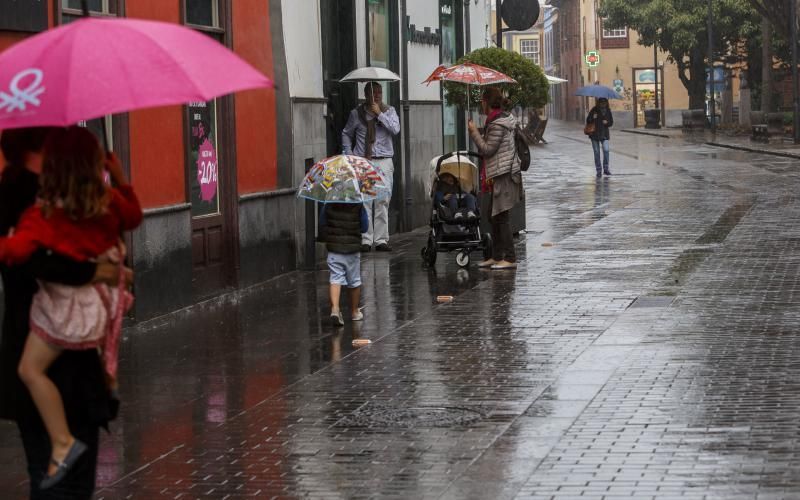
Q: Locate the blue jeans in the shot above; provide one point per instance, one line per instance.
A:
(606, 154)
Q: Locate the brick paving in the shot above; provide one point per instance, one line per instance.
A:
(650, 352)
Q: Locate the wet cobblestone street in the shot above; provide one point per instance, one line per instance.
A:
(652, 351)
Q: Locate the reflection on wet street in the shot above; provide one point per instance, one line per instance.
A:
(646, 347)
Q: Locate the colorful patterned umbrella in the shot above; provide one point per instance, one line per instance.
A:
(470, 74)
(344, 179)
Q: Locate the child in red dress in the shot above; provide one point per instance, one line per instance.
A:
(79, 216)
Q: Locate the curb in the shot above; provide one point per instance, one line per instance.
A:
(795, 156)
(641, 132)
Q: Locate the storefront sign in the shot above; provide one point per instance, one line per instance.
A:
(23, 15)
(424, 36)
(203, 158)
(593, 58)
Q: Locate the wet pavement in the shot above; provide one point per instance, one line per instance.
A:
(646, 347)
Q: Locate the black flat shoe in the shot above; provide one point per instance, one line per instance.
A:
(366, 248)
(383, 247)
(62, 468)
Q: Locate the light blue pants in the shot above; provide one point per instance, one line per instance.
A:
(606, 154)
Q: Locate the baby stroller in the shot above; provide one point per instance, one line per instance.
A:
(456, 228)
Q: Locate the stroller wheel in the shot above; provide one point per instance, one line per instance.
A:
(462, 258)
(486, 243)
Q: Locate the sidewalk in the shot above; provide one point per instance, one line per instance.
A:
(645, 348)
(778, 147)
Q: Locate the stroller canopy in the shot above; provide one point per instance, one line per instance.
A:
(460, 167)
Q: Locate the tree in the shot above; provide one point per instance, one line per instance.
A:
(776, 11)
(680, 27)
(532, 91)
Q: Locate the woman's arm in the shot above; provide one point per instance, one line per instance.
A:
(494, 138)
(127, 207)
(610, 119)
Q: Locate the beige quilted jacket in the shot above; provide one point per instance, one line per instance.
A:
(497, 146)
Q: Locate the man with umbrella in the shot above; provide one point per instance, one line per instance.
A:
(368, 133)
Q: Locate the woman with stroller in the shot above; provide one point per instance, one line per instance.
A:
(502, 171)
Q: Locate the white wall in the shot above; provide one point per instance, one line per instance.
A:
(423, 58)
(302, 39)
(480, 16)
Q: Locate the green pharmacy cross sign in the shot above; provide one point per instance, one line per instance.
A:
(593, 58)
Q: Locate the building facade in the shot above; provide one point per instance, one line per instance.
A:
(592, 53)
(207, 234)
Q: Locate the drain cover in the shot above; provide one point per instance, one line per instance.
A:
(407, 418)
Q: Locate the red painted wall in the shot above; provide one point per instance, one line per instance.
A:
(256, 140)
(156, 135)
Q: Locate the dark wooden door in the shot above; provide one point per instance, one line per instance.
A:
(211, 178)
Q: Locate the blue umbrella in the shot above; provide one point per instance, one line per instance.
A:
(597, 91)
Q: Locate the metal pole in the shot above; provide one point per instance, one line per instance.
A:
(499, 23)
(795, 96)
(712, 105)
(85, 7)
(655, 65)
(467, 26)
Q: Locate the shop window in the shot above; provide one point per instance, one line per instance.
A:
(23, 16)
(203, 13)
(203, 165)
(71, 9)
(529, 48)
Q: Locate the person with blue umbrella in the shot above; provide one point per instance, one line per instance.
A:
(598, 122)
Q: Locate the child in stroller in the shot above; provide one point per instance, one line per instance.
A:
(448, 193)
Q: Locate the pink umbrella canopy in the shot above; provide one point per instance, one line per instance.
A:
(470, 74)
(95, 67)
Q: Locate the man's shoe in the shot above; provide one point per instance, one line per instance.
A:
(366, 248)
(471, 215)
(337, 319)
(458, 215)
(599, 174)
(383, 247)
(607, 172)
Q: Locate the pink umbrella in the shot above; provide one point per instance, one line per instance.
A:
(96, 67)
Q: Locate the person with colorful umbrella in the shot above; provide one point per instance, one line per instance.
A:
(345, 184)
(368, 133)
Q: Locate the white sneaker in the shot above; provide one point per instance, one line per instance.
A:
(471, 215)
(458, 215)
(337, 319)
(358, 316)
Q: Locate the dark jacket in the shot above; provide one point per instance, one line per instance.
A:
(77, 374)
(341, 225)
(597, 115)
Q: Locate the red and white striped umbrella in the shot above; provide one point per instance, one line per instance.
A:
(470, 74)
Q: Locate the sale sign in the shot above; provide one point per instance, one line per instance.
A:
(207, 170)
